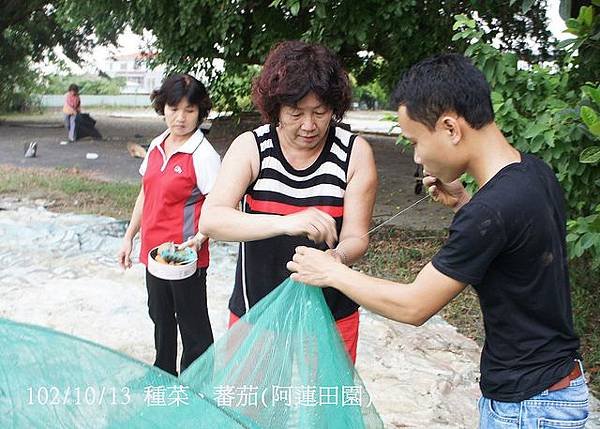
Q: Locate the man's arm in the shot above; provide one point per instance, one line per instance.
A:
(359, 200)
(412, 303)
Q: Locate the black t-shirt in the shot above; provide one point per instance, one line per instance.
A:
(508, 242)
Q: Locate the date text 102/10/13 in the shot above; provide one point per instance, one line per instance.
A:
(90, 395)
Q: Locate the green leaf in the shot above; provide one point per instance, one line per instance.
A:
(549, 137)
(589, 116)
(590, 155)
(595, 129)
(321, 11)
(469, 51)
(578, 250)
(497, 97)
(578, 43)
(389, 117)
(564, 43)
(295, 8)
(511, 61)
(572, 237)
(534, 130)
(586, 15)
(591, 92)
(590, 239)
(361, 35)
(537, 143)
(573, 25)
(489, 69)
(526, 5)
(564, 9)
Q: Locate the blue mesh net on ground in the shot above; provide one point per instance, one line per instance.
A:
(283, 365)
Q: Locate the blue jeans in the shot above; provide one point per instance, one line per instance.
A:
(70, 126)
(565, 408)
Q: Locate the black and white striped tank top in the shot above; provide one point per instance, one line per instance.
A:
(281, 189)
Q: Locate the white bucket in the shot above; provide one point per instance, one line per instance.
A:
(167, 271)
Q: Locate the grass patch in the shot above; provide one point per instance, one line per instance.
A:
(69, 190)
(399, 255)
(585, 295)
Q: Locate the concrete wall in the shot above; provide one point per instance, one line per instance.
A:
(100, 100)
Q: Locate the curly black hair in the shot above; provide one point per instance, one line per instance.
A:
(292, 70)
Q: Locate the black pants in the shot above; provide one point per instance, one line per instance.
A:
(183, 302)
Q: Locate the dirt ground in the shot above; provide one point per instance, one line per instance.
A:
(395, 167)
(394, 163)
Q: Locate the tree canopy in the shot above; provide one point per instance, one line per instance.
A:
(28, 33)
(376, 39)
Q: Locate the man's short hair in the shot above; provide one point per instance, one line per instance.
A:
(442, 84)
(292, 70)
(177, 87)
(73, 87)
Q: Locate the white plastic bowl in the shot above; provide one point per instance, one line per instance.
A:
(170, 272)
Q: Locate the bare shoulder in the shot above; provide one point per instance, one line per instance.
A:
(361, 158)
(243, 151)
(362, 146)
(243, 142)
(243, 147)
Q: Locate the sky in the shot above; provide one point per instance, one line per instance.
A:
(556, 23)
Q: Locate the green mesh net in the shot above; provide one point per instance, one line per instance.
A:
(283, 365)
(53, 380)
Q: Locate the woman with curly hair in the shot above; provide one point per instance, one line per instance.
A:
(178, 172)
(301, 178)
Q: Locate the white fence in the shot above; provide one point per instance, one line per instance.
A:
(142, 100)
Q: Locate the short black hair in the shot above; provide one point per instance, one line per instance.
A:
(73, 87)
(445, 83)
(177, 87)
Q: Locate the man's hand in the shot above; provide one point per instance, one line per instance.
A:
(313, 223)
(453, 195)
(338, 255)
(314, 267)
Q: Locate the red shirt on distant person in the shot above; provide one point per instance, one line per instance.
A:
(72, 104)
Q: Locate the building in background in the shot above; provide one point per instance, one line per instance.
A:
(140, 79)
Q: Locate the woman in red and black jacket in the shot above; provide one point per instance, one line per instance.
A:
(178, 172)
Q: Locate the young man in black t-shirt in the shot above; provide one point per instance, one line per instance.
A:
(507, 241)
